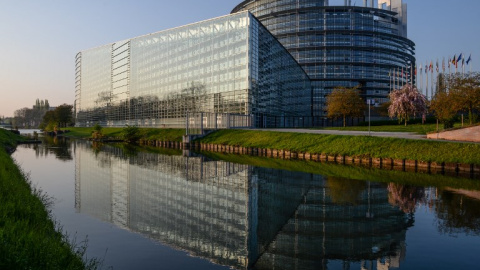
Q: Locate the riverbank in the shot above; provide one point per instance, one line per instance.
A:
(343, 146)
(349, 146)
(29, 239)
(146, 134)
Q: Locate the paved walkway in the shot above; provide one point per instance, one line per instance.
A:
(405, 135)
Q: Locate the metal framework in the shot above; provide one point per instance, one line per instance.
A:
(344, 46)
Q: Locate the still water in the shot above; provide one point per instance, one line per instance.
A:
(167, 209)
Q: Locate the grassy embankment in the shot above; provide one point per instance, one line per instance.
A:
(360, 146)
(174, 135)
(29, 239)
(415, 128)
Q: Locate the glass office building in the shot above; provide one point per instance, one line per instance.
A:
(342, 45)
(230, 64)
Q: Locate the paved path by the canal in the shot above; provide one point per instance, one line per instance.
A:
(405, 135)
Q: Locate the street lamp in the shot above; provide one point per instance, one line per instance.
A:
(369, 102)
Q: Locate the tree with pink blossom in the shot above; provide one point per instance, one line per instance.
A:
(406, 102)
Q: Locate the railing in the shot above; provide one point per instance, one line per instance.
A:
(199, 123)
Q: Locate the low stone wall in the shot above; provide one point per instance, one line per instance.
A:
(469, 134)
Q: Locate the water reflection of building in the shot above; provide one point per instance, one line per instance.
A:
(239, 215)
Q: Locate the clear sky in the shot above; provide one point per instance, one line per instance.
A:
(40, 38)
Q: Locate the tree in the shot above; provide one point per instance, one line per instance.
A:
(64, 115)
(49, 121)
(444, 108)
(131, 134)
(406, 102)
(345, 191)
(343, 102)
(465, 91)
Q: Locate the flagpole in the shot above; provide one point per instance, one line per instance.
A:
(449, 72)
(432, 89)
(421, 78)
(426, 88)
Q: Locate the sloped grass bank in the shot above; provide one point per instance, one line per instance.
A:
(414, 128)
(354, 146)
(159, 134)
(29, 239)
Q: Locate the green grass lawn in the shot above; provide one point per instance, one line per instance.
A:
(29, 239)
(414, 128)
(379, 147)
(161, 134)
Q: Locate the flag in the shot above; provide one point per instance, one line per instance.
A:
(431, 66)
(437, 66)
(426, 69)
(443, 65)
(459, 58)
(463, 62)
(449, 62)
(454, 61)
(469, 59)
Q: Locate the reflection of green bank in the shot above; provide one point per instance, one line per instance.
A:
(237, 214)
(352, 171)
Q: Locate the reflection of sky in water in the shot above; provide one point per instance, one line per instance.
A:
(241, 215)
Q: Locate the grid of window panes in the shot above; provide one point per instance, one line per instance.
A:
(278, 81)
(339, 45)
(94, 84)
(186, 202)
(197, 68)
(154, 80)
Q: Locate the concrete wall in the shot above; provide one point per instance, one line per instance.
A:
(470, 134)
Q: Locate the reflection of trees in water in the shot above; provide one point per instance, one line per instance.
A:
(60, 147)
(345, 191)
(457, 213)
(405, 197)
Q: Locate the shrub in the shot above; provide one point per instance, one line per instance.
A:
(131, 134)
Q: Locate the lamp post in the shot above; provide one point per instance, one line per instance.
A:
(369, 102)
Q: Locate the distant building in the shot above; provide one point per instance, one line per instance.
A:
(226, 65)
(346, 45)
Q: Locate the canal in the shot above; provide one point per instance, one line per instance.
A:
(141, 208)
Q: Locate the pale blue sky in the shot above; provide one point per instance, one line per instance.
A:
(40, 38)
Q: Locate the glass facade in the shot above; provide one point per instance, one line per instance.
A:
(341, 45)
(230, 64)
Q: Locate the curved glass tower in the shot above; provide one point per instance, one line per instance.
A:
(342, 45)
